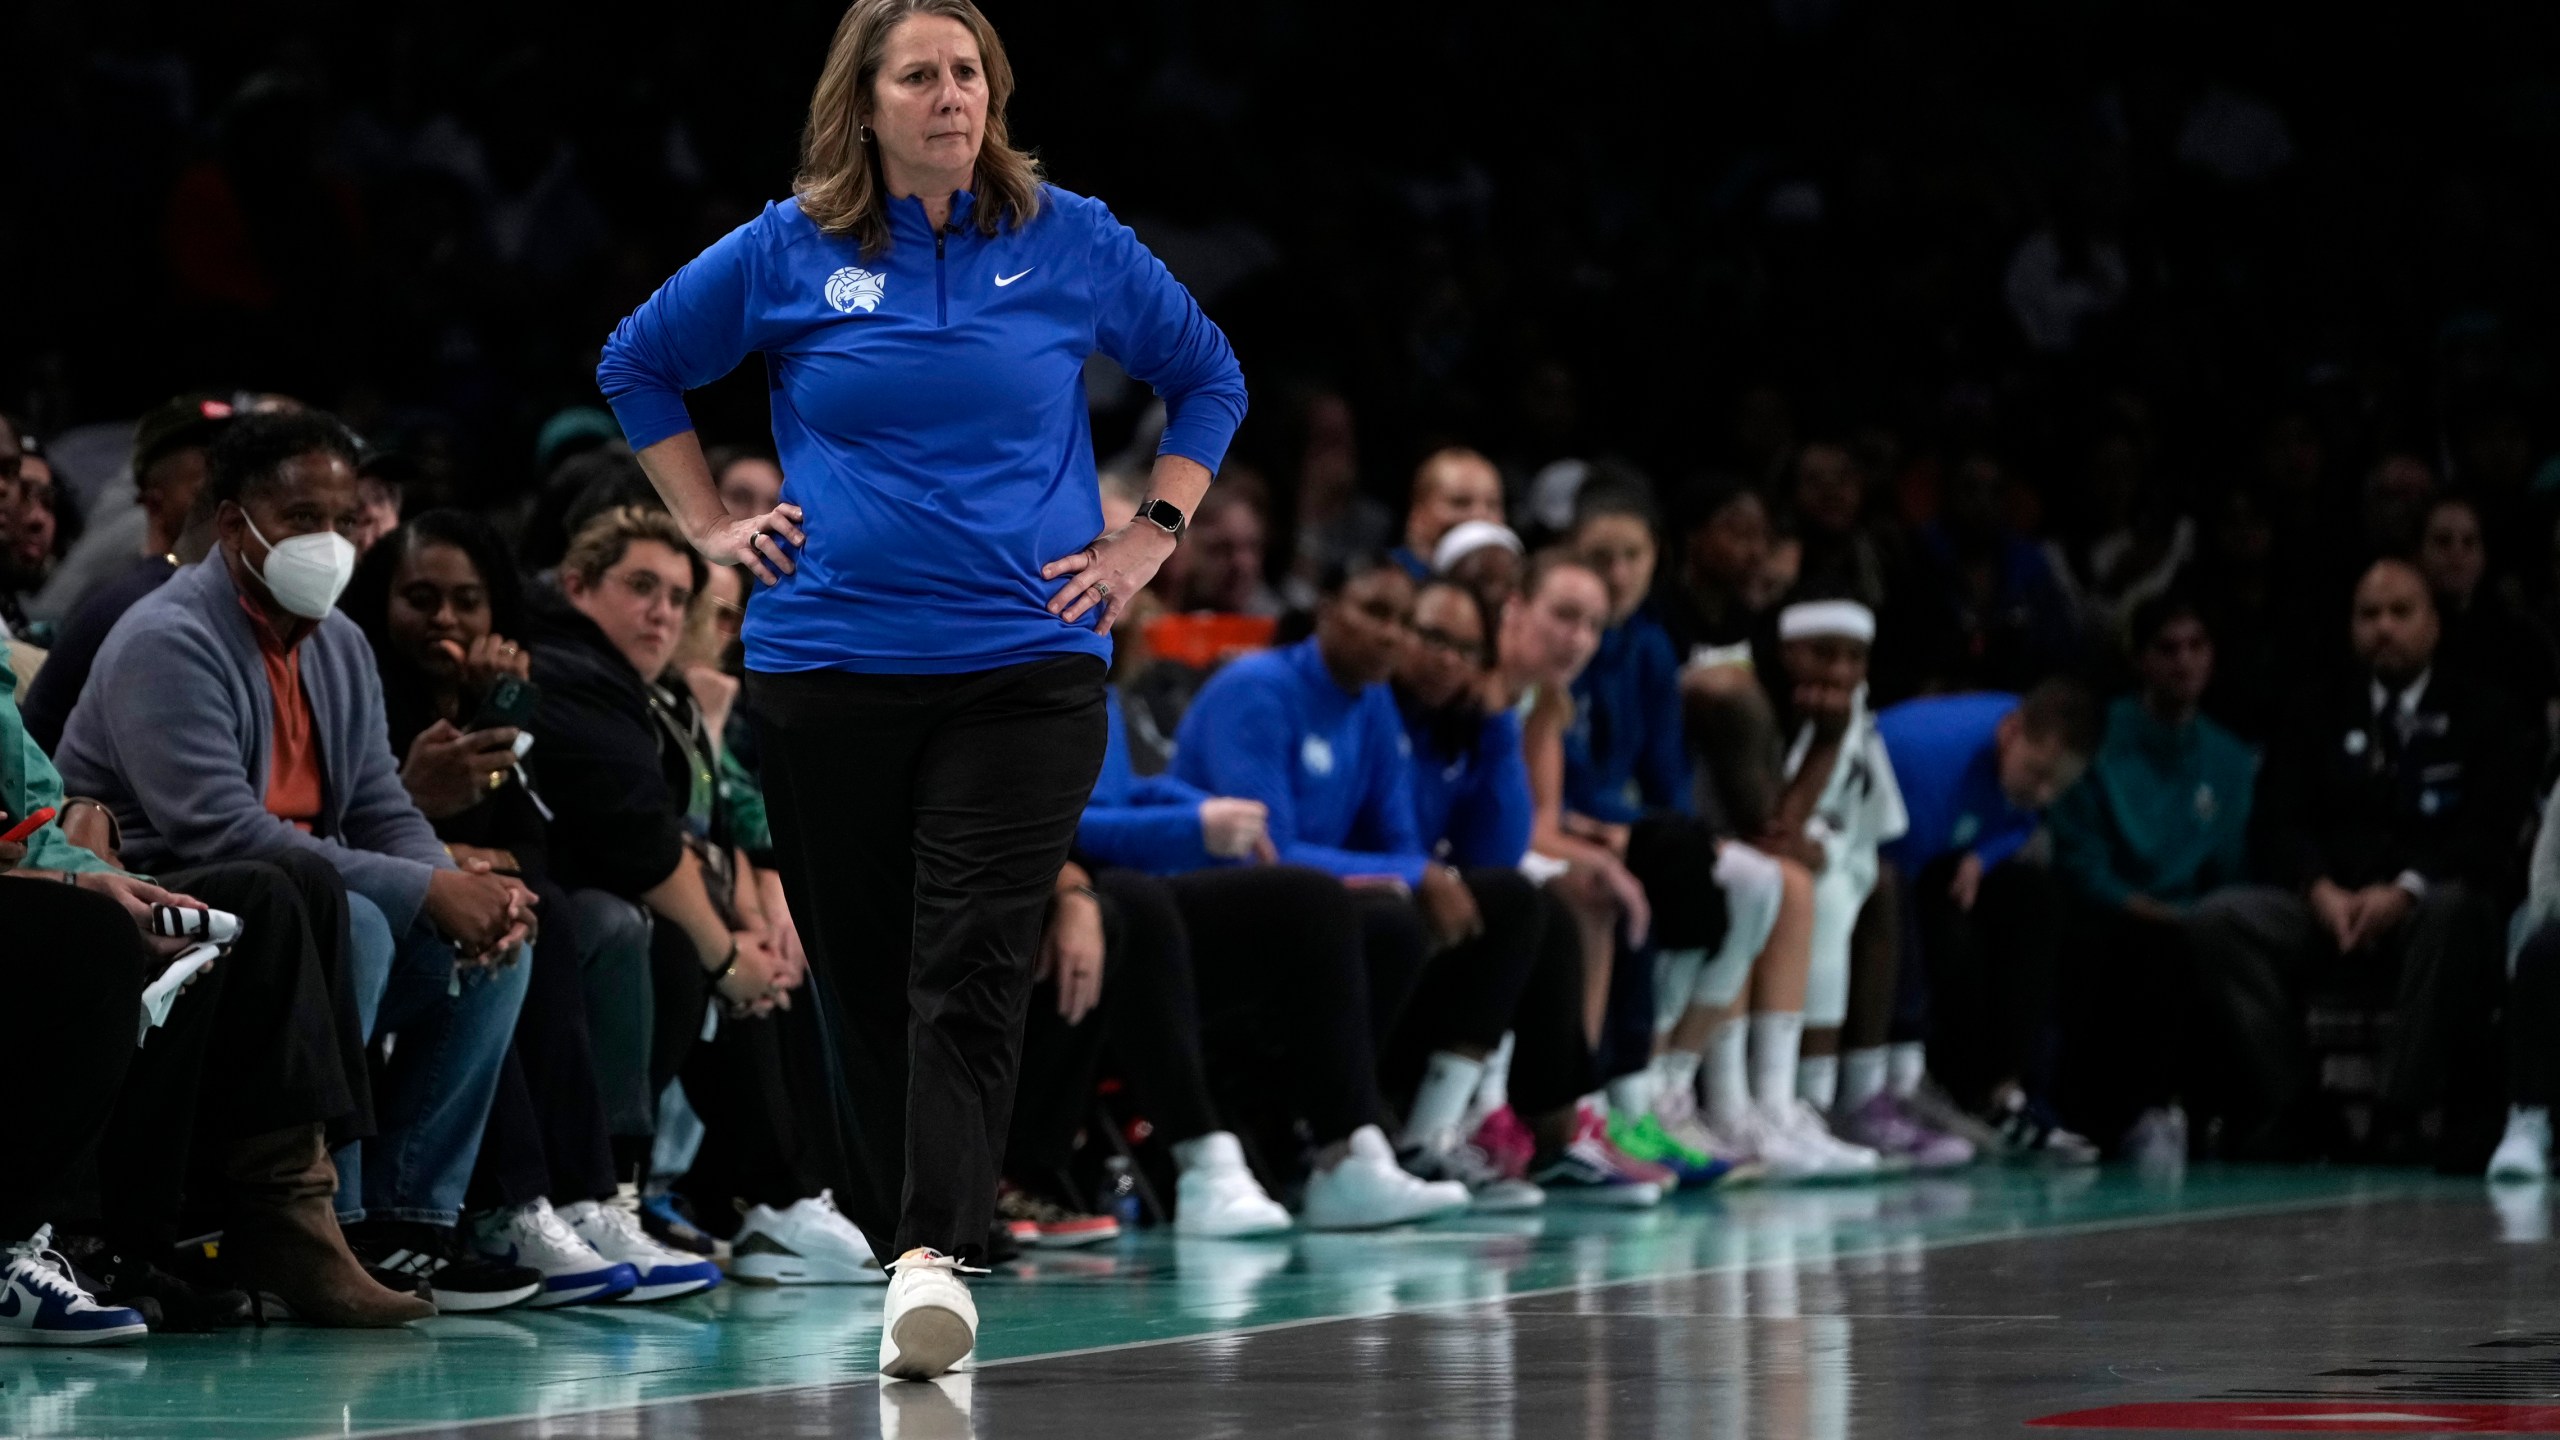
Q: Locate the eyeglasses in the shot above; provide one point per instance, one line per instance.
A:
(1438, 639)
(645, 588)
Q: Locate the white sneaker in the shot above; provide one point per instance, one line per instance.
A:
(928, 1323)
(2158, 1139)
(612, 1230)
(1217, 1196)
(2525, 1153)
(1368, 1189)
(1791, 1143)
(46, 1306)
(808, 1243)
(533, 1235)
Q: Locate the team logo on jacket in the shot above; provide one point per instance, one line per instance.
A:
(854, 288)
(1316, 754)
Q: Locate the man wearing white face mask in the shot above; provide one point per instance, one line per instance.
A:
(234, 715)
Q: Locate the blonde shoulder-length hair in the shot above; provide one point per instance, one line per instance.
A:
(839, 184)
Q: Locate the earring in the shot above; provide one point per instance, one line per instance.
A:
(865, 132)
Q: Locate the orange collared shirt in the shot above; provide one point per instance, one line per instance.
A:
(294, 785)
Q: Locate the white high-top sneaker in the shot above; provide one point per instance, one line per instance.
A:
(1367, 1189)
(2525, 1153)
(928, 1323)
(1217, 1195)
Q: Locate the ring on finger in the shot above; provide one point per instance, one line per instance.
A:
(1102, 588)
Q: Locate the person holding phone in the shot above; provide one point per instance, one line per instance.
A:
(439, 600)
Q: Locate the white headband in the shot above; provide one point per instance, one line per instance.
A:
(1466, 538)
(1845, 618)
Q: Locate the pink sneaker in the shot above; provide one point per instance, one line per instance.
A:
(1885, 1126)
(1506, 1141)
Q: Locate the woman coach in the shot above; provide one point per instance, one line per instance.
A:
(928, 693)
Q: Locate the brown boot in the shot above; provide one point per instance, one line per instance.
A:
(284, 1237)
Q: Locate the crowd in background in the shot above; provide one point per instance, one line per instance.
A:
(2010, 613)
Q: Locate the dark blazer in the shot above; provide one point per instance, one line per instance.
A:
(2450, 797)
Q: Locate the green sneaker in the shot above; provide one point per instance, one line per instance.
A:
(1645, 1138)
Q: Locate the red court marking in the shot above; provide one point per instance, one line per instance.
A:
(2315, 1417)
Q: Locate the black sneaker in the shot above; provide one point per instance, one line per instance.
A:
(667, 1219)
(115, 1276)
(429, 1261)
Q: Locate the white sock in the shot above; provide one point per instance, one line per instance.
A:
(1440, 1102)
(1907, 1063)
(1862, 1076)
(1494, 1090)
(1631, 1094)
(1675, 1072)
(1777, 1041)
(1728, 1072)
(1675, 976)
(1818, 1081)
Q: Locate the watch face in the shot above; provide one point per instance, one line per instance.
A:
(1162, 514)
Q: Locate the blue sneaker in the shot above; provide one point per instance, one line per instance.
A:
(533, 1235)
(611, 1228)
(40, 1304)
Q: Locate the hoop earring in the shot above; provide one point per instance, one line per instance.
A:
(864, 132)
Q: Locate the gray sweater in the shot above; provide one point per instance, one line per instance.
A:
(173, 730)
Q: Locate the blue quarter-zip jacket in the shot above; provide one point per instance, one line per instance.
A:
(1476, 803)
(1946, 758)
(929, 410)
(1332, 765)
(1625, 755)
(1141, 822)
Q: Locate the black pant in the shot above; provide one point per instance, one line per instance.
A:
(2533, 1021)
(250, 1047)
(1991, 977)
(2257, 948)
(919, 822)
(1394, 946)
(546, 1136)
(1551, 1064)
(2134, 1033)
(74, 985)
(766, 1092)
(1470, 991)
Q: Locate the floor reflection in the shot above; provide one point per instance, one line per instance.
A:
(1911, 1308)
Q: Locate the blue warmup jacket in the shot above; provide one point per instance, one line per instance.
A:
(1332, 766)
(1625, 755)
(1946, 757)
(1141, 822)
(929, 411)
(1477, 802)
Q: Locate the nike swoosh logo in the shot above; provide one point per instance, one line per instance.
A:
(10, 1305)
(1004, 280)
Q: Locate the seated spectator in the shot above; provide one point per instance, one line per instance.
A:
(1312, 733)
(1728, 918)
(1215, 950)
(2532, 1020)
(749, 479)
(2125, 545)
(2006, 620)
(1839, 807)
(1451, 486)
(255, 1059)
(438, 600)
(639, 811)
(1474, 808)
(169, 473)
(234, 714)
(1713, 618)
(2486, 633)
(1222, 557)
(2389, 819)
(2158, 824)
(45, 524)
(1977, 772)
(1485, 558)
(15, 577)
(382, 484)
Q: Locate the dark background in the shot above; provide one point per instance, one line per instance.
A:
(1686, 234)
